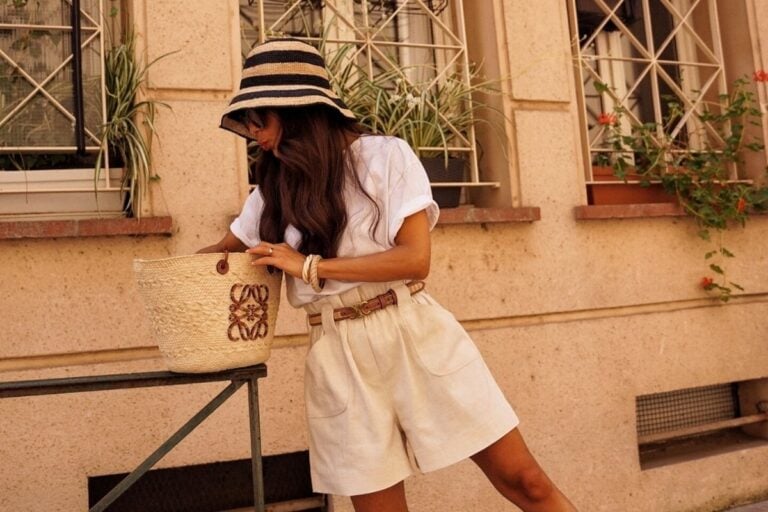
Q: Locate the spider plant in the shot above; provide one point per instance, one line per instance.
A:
(130, 128)
(426, 115)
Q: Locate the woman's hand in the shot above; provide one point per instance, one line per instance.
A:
(282, 256)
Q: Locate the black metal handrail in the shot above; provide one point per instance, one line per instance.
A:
(238, 377)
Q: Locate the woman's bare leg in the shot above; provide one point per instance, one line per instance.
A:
(518, 477)
(391, 499)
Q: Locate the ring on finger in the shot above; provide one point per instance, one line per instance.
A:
(271, 251)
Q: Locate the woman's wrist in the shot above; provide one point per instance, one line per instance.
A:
(321, 265)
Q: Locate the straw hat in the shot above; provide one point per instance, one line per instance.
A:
(281, 73)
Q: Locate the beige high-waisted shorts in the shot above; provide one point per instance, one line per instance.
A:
(399, 390)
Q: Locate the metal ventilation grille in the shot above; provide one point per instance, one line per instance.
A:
(663, 412)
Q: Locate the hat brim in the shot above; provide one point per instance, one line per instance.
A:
(270, 97)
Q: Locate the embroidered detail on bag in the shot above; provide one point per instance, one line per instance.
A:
(248, 312)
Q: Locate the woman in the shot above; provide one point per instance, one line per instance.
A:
(393, 383)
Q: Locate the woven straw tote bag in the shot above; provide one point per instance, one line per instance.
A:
(210, 312)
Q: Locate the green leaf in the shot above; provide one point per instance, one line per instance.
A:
(716, 268)
(725, 252)
(709, 254)
(736, 286)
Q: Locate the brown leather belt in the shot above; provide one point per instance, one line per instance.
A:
(367, 307)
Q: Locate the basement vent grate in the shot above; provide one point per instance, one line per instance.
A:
(662, 412)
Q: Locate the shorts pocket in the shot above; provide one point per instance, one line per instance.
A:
(326, 378)
(440, 342)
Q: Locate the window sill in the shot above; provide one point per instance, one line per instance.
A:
(472, 215)
(14, 230)
(628, 211)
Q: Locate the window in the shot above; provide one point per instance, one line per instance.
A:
(639, 56)
(52, 107)
(422, 39)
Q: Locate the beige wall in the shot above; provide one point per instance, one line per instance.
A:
(576, 318)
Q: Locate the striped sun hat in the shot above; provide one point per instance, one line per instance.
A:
(281, 73)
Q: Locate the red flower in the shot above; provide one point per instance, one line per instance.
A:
(707, 282)
(741, 205)
(760, 75)
(606, 119)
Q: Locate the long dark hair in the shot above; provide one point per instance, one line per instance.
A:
(303, 183)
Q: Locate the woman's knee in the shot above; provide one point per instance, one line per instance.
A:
(532, 483)
(513, 470)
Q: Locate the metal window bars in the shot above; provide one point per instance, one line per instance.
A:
(41, 108)
(647, 52)
(52, 83)
(404, 36)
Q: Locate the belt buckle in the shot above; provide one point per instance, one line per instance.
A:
(358, 310)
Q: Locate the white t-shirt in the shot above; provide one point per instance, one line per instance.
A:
(392, 174)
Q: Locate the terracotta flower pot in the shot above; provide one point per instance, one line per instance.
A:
(609, 189)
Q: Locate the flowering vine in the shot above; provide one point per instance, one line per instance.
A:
(697, 176)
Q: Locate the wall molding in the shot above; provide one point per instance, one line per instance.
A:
(49, 361)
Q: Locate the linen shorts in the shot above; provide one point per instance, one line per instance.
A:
(403, 389)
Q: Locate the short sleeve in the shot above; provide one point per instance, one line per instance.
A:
(246, 226)
(409, 191)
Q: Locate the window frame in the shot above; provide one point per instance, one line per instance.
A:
(687, 42)
(64, 193)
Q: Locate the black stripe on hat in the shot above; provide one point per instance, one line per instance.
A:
(284, 57)
(298, 93)
(292, 79)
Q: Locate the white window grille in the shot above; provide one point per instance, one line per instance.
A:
(423, 40)
(52, 103)
(647, 53)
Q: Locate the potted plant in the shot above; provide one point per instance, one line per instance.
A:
(699, 177)
(432, 116)
(126, 137)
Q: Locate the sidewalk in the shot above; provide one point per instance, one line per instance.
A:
(755, 507)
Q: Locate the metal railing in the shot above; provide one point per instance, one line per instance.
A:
(238, 377)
